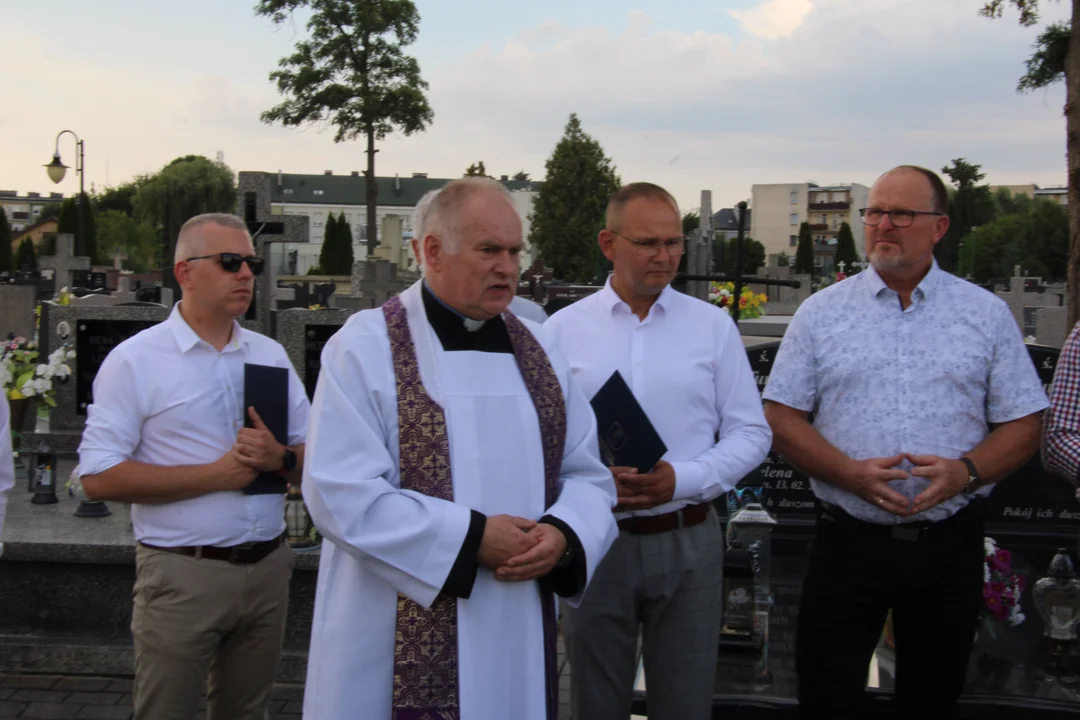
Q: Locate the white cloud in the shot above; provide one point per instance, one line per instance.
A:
(851, 90)
(773, 19)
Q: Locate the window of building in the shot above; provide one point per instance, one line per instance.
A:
(793, 240)
(794, 219)
(794, 197)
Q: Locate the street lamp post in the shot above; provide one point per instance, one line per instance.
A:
(57, 169)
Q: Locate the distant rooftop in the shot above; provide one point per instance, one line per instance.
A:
(330, 189)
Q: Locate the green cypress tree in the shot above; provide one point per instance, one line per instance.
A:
(5, 243)
(26, 257)
(346, 243)
(804, 255)
(845, 250)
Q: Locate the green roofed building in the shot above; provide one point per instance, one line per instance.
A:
(317, 196)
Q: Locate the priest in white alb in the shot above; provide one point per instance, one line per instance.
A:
(453, 469)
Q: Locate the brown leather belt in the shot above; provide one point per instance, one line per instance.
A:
(244, 554)
(652, 524)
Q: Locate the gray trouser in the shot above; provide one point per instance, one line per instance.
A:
(670, 585)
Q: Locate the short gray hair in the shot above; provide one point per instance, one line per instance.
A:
(185, 239)
(441, 215)
(420, 224)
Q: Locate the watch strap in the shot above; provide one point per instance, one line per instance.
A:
(974, 479)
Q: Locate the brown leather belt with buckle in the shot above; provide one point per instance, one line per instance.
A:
(244, 554)
(652, 524)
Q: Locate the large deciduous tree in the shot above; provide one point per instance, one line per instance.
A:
(351, 72)
(1057, 57)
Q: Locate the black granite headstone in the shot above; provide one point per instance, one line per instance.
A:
(314, 339)
(94, 340)
(1031, 495)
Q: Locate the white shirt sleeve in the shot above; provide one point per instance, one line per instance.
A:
(351, 483)
(7, 465)
(115, 417)
(745, 436)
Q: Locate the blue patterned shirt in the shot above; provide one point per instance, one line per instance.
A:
(881, 381)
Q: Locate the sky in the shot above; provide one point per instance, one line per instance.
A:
(690, 94)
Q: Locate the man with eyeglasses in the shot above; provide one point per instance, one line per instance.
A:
(165, 432)
(922, 396)
(685, 363)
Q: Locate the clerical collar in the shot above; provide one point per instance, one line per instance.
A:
(449, 326)
(470, 324)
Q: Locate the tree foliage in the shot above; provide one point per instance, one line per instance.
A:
(336, 256)
(845, 250)
(724, 256)
(691, 221)
(521, 176)
(186, 187)
(970, 205)
(26, 258)
(1036, 239)
(569, 208)
(804, 254)
(477, 169)
(135, 238)
(6, 258)
(121, 197)
(350, 72)
(68, 222)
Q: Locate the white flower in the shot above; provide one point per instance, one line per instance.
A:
(28, 390)
(70, 354)
(62, 371)
(42, 385)
(5, 374)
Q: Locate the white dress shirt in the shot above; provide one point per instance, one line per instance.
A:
(7, 465)
(687, 367)
(166, 397)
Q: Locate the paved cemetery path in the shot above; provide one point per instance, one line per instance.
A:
(54, 697)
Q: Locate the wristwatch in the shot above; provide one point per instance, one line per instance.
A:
(974, 481)
(288, 461)
(566, 557)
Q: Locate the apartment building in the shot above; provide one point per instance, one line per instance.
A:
(779, 210)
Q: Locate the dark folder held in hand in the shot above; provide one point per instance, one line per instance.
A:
(266, 388)
(627, 438)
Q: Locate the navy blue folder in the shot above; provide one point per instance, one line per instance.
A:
(266, 388)
(627, 437)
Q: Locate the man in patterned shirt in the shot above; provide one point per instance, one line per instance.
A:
(922, 395)
(1061, 443)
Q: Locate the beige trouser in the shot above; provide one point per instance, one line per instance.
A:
(198, 618)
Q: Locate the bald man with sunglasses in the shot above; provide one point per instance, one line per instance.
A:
(166, 433)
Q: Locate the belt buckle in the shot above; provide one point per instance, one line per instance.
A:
(906, 534)
(235, 550)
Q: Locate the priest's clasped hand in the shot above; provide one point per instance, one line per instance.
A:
(505, 537)
(549, 547)
(257, 448)
(640, 491)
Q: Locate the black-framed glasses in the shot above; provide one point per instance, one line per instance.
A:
(231, 262)
(899, 218)
(650, 247)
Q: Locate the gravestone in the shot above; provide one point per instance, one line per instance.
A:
(118, 258)
(303, 333)
(64, 262)
(93, 332)
(253, 205)
(1051, 326)
(373, 283)
(17, 310)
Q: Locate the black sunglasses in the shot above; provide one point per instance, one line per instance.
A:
(231, 262)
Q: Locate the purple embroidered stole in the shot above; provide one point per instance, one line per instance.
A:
(425, 646)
